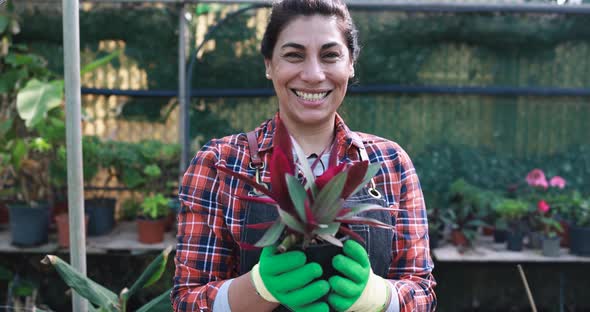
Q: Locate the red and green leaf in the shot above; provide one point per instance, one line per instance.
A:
(366, 221)
(356, 173)
(261, 188)
(298, 196)
(271, 235)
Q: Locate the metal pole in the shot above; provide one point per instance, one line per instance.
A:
(71, 42)
(183, 133)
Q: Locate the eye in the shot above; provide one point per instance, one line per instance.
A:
(293, 56)
(331, 56)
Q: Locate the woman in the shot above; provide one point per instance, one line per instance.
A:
(309, 49)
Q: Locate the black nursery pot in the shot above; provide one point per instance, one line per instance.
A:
(514, 241)
(580, 241)
(101, 215)
(323, 254)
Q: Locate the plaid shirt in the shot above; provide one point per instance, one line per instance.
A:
(211, 218)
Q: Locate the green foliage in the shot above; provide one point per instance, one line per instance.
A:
(155, 206)
(107, 300)
(511, 210)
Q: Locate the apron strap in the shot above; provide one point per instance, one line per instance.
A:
(255, 161)
(364, 156)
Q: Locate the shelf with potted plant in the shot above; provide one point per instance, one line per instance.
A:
(465, 214)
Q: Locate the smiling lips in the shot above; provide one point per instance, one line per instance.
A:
(311, 96)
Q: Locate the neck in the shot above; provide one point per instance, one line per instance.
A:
(312, 138)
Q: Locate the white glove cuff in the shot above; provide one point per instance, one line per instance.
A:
(259, 285)
(374, 297)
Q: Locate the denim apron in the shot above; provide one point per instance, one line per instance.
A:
(377, 241)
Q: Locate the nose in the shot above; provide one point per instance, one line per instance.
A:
(312, 71)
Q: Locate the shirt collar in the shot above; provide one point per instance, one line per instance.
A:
(342, 134)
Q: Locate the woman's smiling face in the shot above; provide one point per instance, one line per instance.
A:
(310, 68)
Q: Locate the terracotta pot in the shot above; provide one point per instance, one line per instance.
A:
(151, 231)
(63, 229)
(487, 230)
(4, 215)
(565, 234)
(458, 238)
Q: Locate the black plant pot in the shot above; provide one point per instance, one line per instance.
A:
(323, 254)
(29, 226)
(101, 215)
(514, 241)
(500, 236)
(580, 240)
(433, 240)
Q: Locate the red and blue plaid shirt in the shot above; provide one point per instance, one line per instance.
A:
(211, 217)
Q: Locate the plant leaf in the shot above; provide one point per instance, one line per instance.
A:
(291, 222)
(279, 164)
(99, 62)
(371, 171)
(258, 199)
(353, 211)
(327, 204)
(305, 169)
(298, 196)
(36, 99)
(347, 231)
(367, 221)
(356, 174)
(260, 226)
(327, 176)
(331, 239)
(246, 180)
(271, 235)
(151, 274)
(160, 303)
(331, 229)
(85, 287)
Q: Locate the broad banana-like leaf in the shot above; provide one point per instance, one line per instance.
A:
(151, 274)
(85, 287)
(159, 304)
(36, 99)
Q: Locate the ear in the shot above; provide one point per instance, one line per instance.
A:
(351, 70)
(268, 67)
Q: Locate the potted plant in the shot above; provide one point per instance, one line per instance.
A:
(151, 222)
(580, 228)
(311, 215)
(512, 212)
(464, 214)
(550, 242)
(435, 227)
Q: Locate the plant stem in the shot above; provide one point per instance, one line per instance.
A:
(287, 243)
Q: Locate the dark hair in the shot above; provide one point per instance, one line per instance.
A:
(284, 11)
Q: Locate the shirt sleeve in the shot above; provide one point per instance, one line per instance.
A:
(204, 248)
(411, 268)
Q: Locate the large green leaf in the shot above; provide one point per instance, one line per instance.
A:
(9, 78)
(100, 62)
(151, 274)
(159, 304)
(36, 99)
(85, 287)
(18, 152)
(271, 235)
(298, 195)
(3, 23)
(4, 127)
(17, 59)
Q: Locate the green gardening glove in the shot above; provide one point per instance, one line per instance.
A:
(286, 278)
(358, 289)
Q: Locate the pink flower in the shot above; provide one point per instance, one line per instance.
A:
(542, 206)
(536, 178)
(557, 181)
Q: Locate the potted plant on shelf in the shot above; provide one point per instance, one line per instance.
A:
(151, 221)
(512, 212)
(580, 228)
(311, 214)
(550, 242)
(465, 213)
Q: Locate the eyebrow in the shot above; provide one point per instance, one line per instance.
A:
(301, 47)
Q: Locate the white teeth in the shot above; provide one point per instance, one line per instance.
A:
(311, 96)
